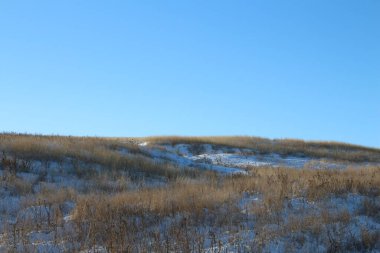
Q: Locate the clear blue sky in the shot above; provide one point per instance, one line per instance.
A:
(298, 69)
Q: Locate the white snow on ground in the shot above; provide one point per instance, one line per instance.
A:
(143, 144)
(234, 157)
(297, 207)
(301, 207)
(165, 155)
(244, 161)
(223, 160)
(97, 249)
(230, 160)
(222, 169)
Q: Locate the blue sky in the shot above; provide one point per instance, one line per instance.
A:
(297, 69)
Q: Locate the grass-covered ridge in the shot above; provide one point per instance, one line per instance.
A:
(56, 147)
(88, 152)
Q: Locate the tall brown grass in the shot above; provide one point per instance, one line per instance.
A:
(106, 152)
(175, 217)
(191, 209)
(213, 202)
(60, 147)
(89, 148)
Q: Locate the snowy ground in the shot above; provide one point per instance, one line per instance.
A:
(234, 160)
(225, 160)
(240, 237)
(345, 231)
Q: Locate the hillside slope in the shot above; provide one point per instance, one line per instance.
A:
(187, 194)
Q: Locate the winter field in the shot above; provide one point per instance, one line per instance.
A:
(187, 194)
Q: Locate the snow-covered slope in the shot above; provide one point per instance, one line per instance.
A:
(229, 160)
(65, 197)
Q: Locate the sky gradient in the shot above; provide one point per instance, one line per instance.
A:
(277, 69)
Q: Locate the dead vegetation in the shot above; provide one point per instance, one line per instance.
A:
(214, 204)
(69, 194)
(84, 153)
(41, 147)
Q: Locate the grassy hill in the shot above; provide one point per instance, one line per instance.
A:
(176, 194)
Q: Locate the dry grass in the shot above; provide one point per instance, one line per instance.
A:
(191, 207)
(130, 221)
(56, 148)
(275, 185)
(213, 203)
(95, 149)
(106, 152)
(177, 198)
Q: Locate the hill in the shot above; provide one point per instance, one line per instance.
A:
(187, 194)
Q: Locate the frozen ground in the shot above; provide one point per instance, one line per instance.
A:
(234, 160)
(167, 154)
(284, 236)
(282, 233)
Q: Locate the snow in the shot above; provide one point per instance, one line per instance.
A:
(222, 169)
(9, 204)
(241, 158)
(226, 160)
(34, 213)
(246, 202)
(96, 249)
(230, 160)
(143, 144)
(28, 177)
(168, 154)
